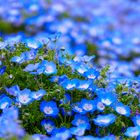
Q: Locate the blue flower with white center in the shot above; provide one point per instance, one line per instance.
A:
(99, 105)
(31, 67)
(136, 120)
(104, 120)
(2, 70)
(24, 97)
(29, 55)
(47, 68)
(91, 74)
(84, 84)
(132, 131)
(18, 59)
(80, 120)
(48, 125)
(33, 44)
(49, 108)
(62, 133)
(78, 131)
(88, 105)
(14, 90)
(81, 68)
(107, 98)
(37, 95)
(5, 101)
(69, 84)
(122, 109)
(76, 107)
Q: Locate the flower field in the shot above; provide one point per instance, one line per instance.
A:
(70, 70)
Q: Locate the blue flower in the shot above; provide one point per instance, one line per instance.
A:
(107, 98)
(80, 120)
(104, 120)
(48, 125)
(33, 44)
(84, 84)
(69, 84)
(47, 68)
(24, 97)
(2, 70)
(76, 107)
(88, 105)
(62, 133)
(78, 131)
(31, 67)
(14, 90)
(37, 95)
(99, 105)
(122, 109)
(91, 74)
(136, 120)
(49, 108)
(133, 131)
(5, 101)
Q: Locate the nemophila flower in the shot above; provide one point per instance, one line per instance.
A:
(31, 67)
(76, 107)
(69, 84)
(33, 44)
(88, 105)
(62, 133)
(24, 97)
(104, 120)
(49, 108)
(8, 124)
(18, 59)
(5, 101)
(91, 74)
(47, 68)
(136, 120)
(29, 55)
(37, 95)
(132, 131)
(2, 70)
(48, 125)
(84, 84)
(107, 98)
(80, 120)
(81, 68)
(14, 90)
(78, 131)
(99, 105)
(122, 109)
(0, 63)
(3, 45)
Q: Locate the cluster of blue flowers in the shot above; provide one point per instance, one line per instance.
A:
(51, 89)
(113, 32)
(85, 114)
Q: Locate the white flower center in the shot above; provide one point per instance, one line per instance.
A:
(69, 86)
(49, 69)
(135, 133)
(48, 110)
(48, 127)
(106, 101)
(24, 98)
(88, 107)
(4, 105)
(121, 110)
(84, 86)
(104, 121)
(100, 105)
(78, 109)
(79, 121)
